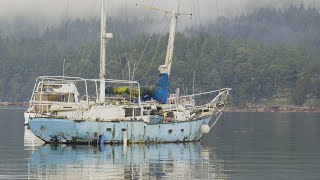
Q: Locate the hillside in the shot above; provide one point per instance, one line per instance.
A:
(268, 57)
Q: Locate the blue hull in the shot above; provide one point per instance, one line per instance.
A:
(69, 131)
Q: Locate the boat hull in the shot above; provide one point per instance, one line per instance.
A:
(52, 130)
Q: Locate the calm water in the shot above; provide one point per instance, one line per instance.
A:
(243, 146)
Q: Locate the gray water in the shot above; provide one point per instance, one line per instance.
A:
(242, 146)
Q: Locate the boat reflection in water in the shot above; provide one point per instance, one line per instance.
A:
(31, 142)
(188, 161)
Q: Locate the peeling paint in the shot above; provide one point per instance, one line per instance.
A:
(52, 130)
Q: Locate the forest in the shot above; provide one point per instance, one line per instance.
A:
(268, 57)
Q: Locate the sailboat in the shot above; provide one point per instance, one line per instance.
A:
(78, 110)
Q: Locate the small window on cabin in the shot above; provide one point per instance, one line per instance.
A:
(147, 108)
(170, 131)
(63, 98)
(71, 98)
(137, 111)
(128, 112)
(182, 130)
(52, 97)
(108, 129)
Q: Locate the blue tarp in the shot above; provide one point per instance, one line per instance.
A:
(161, 92)
(162, 88)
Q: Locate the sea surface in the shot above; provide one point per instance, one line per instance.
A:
(242, 146)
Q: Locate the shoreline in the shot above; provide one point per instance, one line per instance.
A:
(14, 104)
(228, 109)
(273, 109)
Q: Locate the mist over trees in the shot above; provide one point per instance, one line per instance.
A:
(269, 56)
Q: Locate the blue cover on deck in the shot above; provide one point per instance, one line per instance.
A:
(162, 88)
(161, 91)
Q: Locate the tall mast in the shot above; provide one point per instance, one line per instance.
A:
(102, 75)
(166, 68)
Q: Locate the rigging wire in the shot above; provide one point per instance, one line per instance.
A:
(65, 36)
(202, 51)
(83, 40)
(137, 64)
(124, 49)
(150, 35)
(85, 62)
(239, 18)
(201, 54)
(199, 12)
(195, 18)
(118, 49)
(155, 55)
(127, 21)
(218, 19)
(186, 58)
(147, 18)
(198, 62)
(123, 46)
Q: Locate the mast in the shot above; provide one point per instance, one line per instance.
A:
(161, 91)
(102, 75)
(166, 68)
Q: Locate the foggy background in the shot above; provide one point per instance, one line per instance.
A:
(54, 11)
(31, 18)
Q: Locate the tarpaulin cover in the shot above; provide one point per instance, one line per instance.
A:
(162, 88)
(161, 91)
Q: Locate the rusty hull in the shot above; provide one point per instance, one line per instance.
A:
(53, 130)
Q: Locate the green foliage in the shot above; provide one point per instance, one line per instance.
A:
(258, 71)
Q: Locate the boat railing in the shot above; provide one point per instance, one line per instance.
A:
(59, 80)
(41, 108)
(44, 107)
(117, 81)
(54, 80)
(188, 101)
(209, 92)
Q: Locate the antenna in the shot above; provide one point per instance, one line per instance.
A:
(163, 10)
(64, 62)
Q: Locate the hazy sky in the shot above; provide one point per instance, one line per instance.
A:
(54, 11)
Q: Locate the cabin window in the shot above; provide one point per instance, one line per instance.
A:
(55, 97)
(146, 113)
(182, 130)
(128, 112)
(146, 108)
(71, 97)
(170, 131)
(170, 114)
(154, 112)
(124, 129)
(108, 129)
(137, 111)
